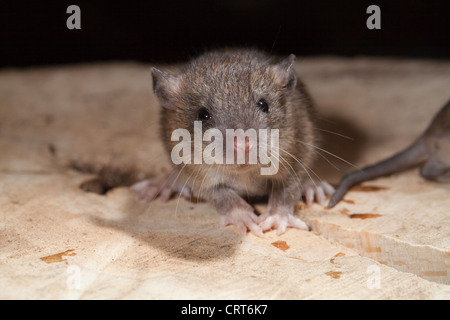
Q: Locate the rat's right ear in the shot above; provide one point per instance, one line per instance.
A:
(166, 87)
(284, 73)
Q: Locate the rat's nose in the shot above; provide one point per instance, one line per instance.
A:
(243, 145)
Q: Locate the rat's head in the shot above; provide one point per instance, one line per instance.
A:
(228, 90)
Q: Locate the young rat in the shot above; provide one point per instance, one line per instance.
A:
(240, 89)
(433, 147)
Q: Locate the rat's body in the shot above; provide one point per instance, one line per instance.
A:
(240, 89)
(432, 147)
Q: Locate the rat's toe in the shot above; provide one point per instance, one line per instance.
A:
(316, 190)
(243, 220)
(164, 187)
(280, 222)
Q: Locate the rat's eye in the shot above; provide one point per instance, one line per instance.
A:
(203, 114)
(262, 105)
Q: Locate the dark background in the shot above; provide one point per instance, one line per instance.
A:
(35, 32)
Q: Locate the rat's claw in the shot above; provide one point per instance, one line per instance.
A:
(309, 195)
(280, 222)
(317, 190)
(243, 219)
(148, 190)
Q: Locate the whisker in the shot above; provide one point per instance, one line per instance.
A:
(336, 133)
(330, 153)
(283, 159)
(303, 166)
(309, 168)
(184, 185)
(203, 180)
(329, 162)
(178, 175)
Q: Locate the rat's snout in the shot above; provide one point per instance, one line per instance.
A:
(243, 144)
(241, 147)
(244, 151)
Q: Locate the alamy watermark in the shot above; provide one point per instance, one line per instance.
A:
(374, 20)
(74, 20)
(73, 281)
(374, 279)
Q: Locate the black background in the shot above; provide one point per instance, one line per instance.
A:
(35, 32)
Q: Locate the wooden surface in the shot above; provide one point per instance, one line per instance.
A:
(68, 130)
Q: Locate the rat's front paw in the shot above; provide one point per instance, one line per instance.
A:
(163, 187)
(280, 221)
(243, 219)
(316, 190)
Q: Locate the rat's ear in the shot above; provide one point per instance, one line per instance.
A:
(284, 73)
(166, 87)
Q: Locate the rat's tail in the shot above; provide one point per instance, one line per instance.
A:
(413, 155)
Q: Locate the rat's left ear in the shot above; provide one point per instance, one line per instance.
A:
(284, 73)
